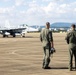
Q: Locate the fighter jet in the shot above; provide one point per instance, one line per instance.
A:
(7, 30)
(31, 29)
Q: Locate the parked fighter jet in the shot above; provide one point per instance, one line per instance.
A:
(7, 30)
(31, 29)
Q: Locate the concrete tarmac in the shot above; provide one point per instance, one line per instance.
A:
(23, 56)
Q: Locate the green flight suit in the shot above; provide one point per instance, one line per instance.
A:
(71, 40)
(46, 39)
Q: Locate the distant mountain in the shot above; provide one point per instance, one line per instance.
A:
(60, 25)
(55, 25)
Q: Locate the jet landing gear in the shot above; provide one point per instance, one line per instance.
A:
(14, 35)
(5, 36)
(23, 35)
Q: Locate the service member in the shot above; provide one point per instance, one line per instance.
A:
(71, 40)
(47, 42)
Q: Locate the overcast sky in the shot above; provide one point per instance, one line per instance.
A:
(37, 12)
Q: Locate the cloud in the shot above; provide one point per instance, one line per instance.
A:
(6, 0)
(58, 0)
(19, 2)
(50, 7)
(52, 0)
(45, 0)
(55, 8)
(51, 12)
(38, 12)
(4, 10)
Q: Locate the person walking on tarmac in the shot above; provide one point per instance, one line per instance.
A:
(71, 40)
(46, 38)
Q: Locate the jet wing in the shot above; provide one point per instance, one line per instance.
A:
(7, 29)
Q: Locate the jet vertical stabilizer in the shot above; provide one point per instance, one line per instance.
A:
(7, 24)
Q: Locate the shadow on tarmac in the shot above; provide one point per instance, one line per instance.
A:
(73, 69)
(59, 67)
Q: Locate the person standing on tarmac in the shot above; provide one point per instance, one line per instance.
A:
(71, 41)
(46, 38)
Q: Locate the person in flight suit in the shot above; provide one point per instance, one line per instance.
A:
(71, 40)
(47, 42)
